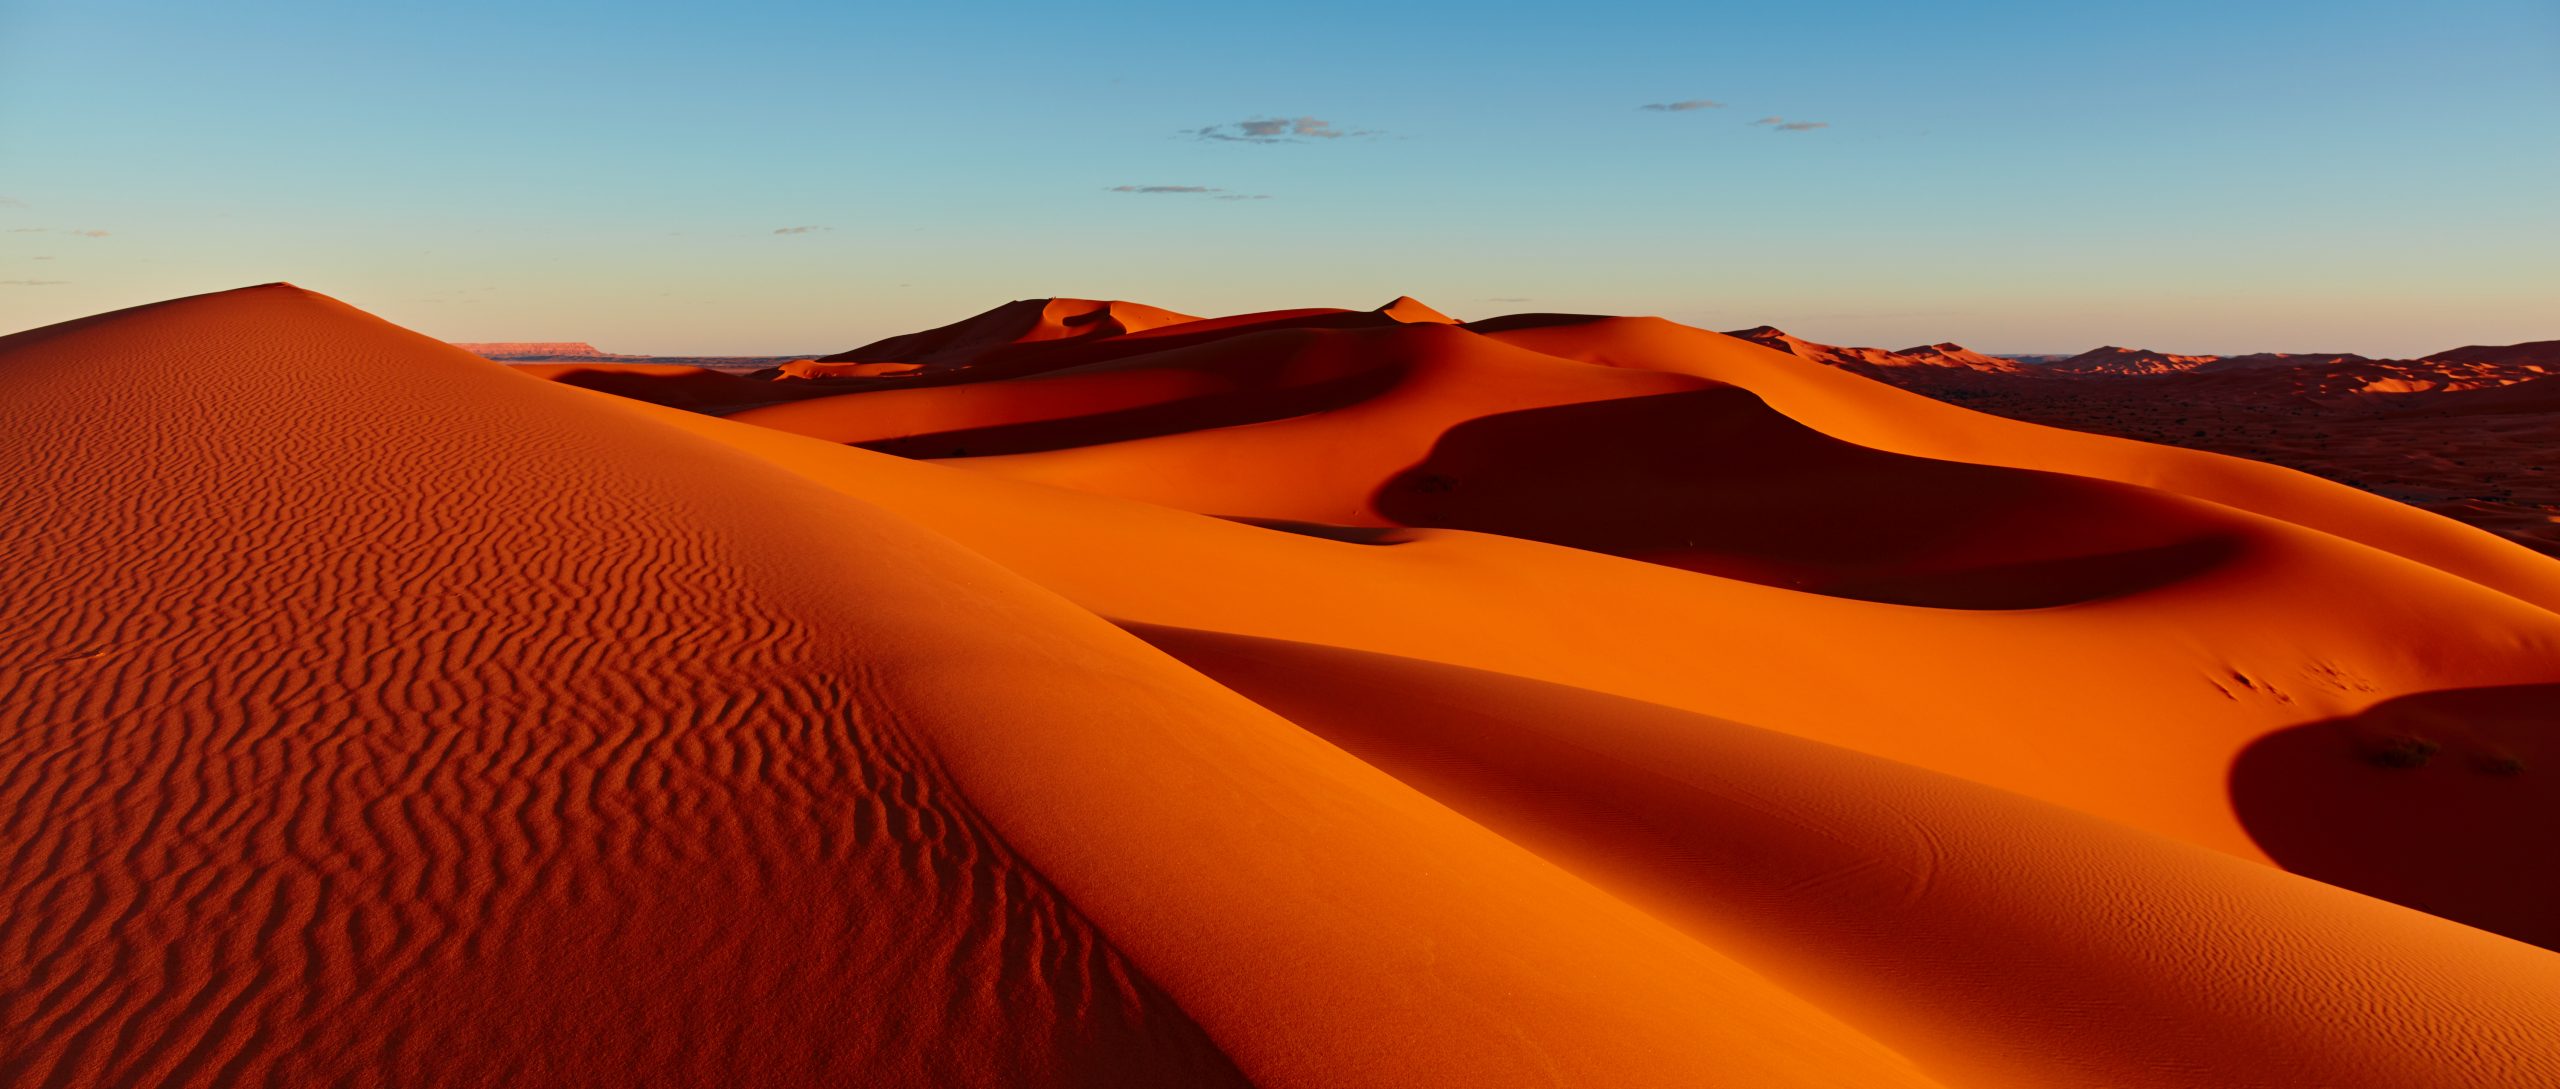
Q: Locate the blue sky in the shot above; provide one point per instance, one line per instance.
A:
(2376, 177)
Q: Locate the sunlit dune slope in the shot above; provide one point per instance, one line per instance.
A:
(378, 716)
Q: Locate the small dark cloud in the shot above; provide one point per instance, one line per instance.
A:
(800, 230)
(26, 230)
(1803, 126)
(88, 234)
(1682, 106)
(1276, 130)
(1770, 120)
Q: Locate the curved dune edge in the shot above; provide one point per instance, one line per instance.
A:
(1953, 921)
(557, 760)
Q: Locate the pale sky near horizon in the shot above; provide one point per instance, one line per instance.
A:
(786, 177)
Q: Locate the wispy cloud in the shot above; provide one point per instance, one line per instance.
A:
(1780, 124)
(31, 283)
(1682, 106)
(800, 230)
(88, 234)
(1210, 191)
(1276, 130)
(12, 202)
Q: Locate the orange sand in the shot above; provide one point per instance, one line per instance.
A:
(1314, 698)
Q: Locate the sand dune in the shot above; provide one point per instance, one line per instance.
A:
(2466, 433)
(1027, 321)
(2226, 656)
(1881, 416)
(1311, 698)
(700, 389)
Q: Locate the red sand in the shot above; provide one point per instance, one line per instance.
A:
(1315, 698)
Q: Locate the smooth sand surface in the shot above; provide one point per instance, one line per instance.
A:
(1309, 698)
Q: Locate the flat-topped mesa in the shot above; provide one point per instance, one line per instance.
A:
(539, 349)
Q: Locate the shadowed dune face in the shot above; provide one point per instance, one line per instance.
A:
(1250, 378)
(2442, 801)
(1871, 413)
(700, 389)
(1714, 481)
(1359, 535)
(1275, 398)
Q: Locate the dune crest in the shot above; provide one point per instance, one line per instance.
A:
(1407, 309)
